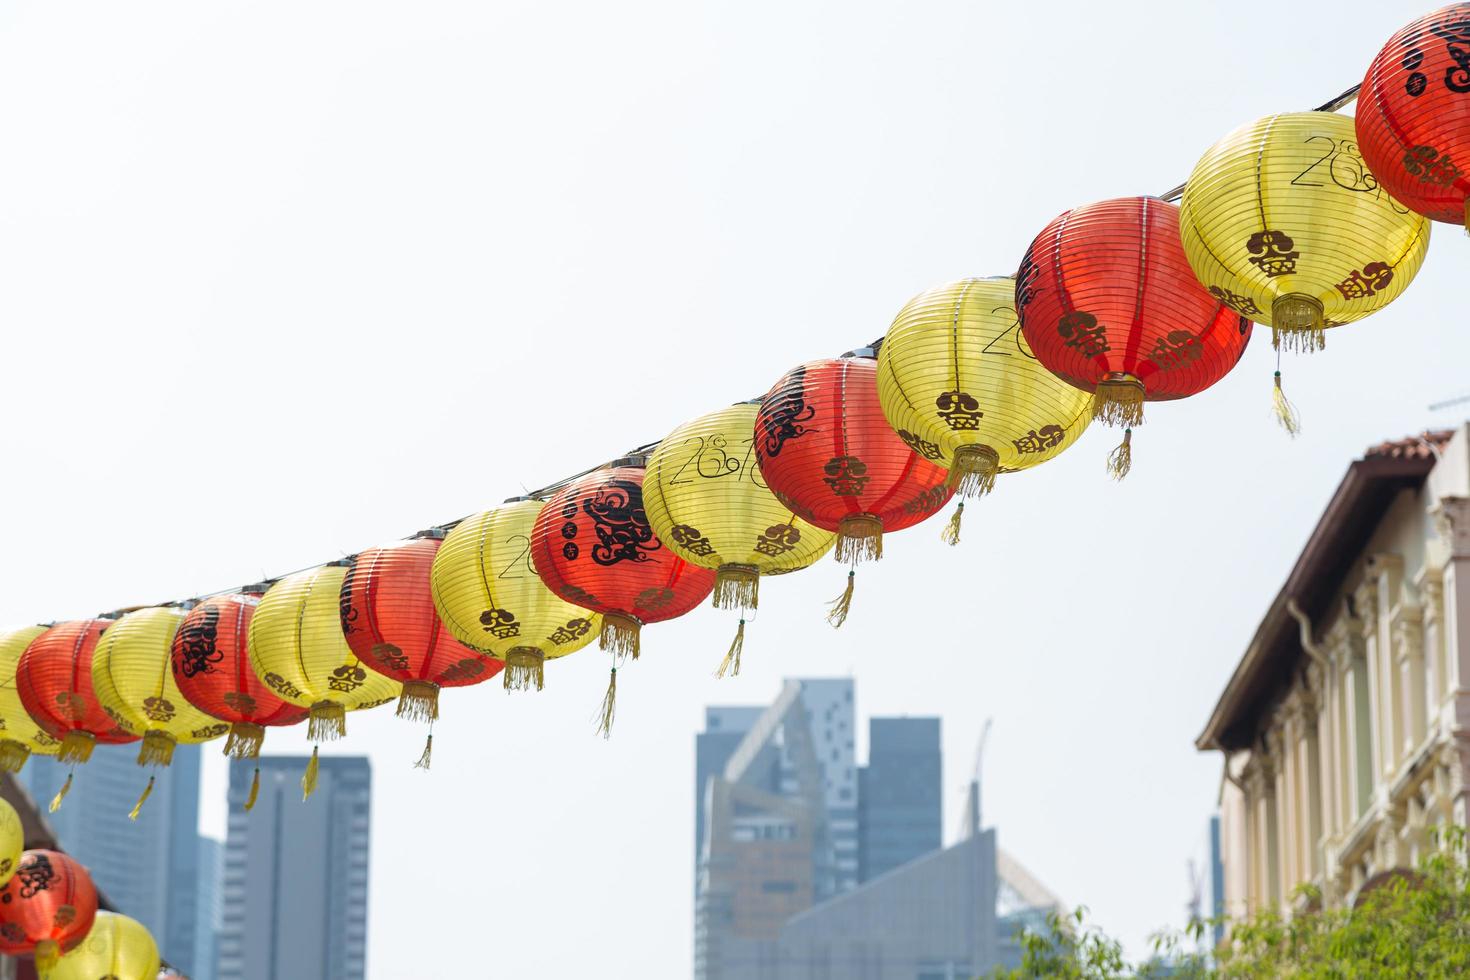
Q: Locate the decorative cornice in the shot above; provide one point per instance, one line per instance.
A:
(1452, 521)
(1408, 633)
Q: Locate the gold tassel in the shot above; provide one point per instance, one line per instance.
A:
(842, 605)
(157, 749)
(1297, 324)
(138, 807)
(419, 701)
(48, 955)
(731, 664)
(859, 538)
(524, 667)
(1286, 413)
(61, 793)
(951, 533)
(972, 474)
(1118, 400)
(327, 722)
(1120, 460)
(609, 702)
(737, 587)
(308, 779)
(13, 755)
(76, 747)
(428, 755)
(245, 740)
(620, 635)
(254, 791)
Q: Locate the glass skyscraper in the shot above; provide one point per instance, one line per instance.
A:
(899, 798)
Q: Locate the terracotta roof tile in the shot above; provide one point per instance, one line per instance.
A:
(1413, 446)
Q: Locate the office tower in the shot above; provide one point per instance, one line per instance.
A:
(724, 727)
(207, 916)
(148, 868)
(296, 873)
(899, 794)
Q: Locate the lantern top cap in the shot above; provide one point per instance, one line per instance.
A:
(432, 533)
(639, 460)
(521, 499)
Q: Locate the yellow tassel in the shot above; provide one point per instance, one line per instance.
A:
(1118, 400)
(61, 794)
(951, 533)
(244, 740)
(254, 791)
(48, 955)
(1120, 460)
(731, 664)
(419, 701)
(842, 605)
(1285, 411)
(972, 474)
(620, 635)
(327, 722)
(737, 587)
(524, 667)
(76, 747)
(138, 807)
(1297, 323)
(157, 749)
(308, 780)
(13, 755)
(859, 538)
(609, 703)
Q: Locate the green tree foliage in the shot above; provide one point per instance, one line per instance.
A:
(1412, 927)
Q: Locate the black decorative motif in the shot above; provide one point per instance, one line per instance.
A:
(376, 704)
(1273, 252)
(64, 916)
(345, 610)
(691, 540)
(196, 643)
(579, 595)
(1243, 305)
(782, 415)
(347, 678)
(1431, 166)
(777, 540)
(241, 702)
(1176, 349)
(11, 930)
(1026, 279)
(209, 731)
(500, 623)
(389, 656)
(159, 709)
(846, 476)
(928, 501)
(574, 630)
(620, 523)
(1361, 284)
(654, 598)
(960, 410)
(1040, 440)
(35, 875)
(1456, 35)
(282, 686)
(929, 450)
(464, 670)
(1081, 332)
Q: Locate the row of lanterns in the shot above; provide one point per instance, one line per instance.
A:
(1300, 222)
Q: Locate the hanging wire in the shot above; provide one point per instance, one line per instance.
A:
(542, 493)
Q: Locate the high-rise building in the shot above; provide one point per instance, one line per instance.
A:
(899, 795)
(208, 916)
(295, 883)
(148, 868)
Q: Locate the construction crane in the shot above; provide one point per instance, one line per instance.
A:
(1449, 403)
(970, 823)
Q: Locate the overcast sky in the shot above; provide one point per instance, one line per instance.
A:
(281, 281)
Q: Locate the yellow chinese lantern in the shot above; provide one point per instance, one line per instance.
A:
(298, 651)
(19, 733)
(133, 677)
(12, 840)
(708, 503)
(117, 948)
(488, 594)
(1284, 223)
(960, 385)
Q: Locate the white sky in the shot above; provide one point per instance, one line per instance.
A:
(280, 281)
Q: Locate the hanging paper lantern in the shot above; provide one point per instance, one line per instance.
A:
(960, 385)
(47, 908)
(708, 503)
(54, 680)
(1107, 302)
(298, 650)
(211, 666)
(19, 733)
(1413, 119)
(1283, 222)
(592, 545)
(389, 620)
(12, 840)
(117, 948)
(486, 590)
(829, 455)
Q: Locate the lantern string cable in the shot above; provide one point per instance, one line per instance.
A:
(1173, 194)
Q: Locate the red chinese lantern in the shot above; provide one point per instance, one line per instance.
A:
(389, 620)
(827, 452)
(1413, 115)
(211, 665)
(47, 908)
(592, 546)
(54, 681)
(1108, 302)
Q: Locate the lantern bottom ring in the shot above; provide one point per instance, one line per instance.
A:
(245, 740)
(76, 746)
(1297, 323)
(524, 667)
(157, 749)
(1118, 400)
(737, 587)
(13, 755)
(419, 701)
(859, 538)
(973, 471)
(620, 634)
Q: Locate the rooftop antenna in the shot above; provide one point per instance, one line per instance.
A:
(1449, 403)
(972, 804)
